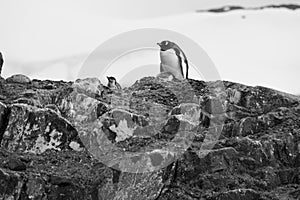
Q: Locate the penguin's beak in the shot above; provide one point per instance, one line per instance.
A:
(158, 44)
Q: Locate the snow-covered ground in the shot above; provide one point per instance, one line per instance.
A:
(256, 47)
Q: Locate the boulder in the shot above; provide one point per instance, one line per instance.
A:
(18, 78)
(35, 130)
(15, 164)
(89, 86)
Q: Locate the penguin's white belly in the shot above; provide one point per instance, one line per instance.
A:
(171, 63)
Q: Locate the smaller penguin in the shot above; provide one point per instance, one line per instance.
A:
(1, 62)
(113, 84)
(173, 60)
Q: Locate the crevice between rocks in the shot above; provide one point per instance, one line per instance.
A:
(4, 119)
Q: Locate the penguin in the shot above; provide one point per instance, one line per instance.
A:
(173, 60)
(113, 84)
(1, 62)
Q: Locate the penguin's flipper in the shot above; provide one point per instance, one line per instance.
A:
(187, 69)
(118, 86)
(186, 64)
(185, 61)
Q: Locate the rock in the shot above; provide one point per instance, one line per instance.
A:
(234, 95)
(213, 106)
(240, 194)
(247, 126)
(288, 176)
(123, 124)
(168, 93)
(3, 119)
(216, 161)
(35, 130)
(158, 139)
(28, 94)
(35, 188)
(91, 87)
(222, 159)
(54, 108)
(295, 194)
(151, 183)
(15, 164)
(49, 84)
(171, 127)
(18, 78)
(56, 180)
(10, 184)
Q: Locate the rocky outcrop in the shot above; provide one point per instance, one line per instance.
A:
(157, 139)
(18, 78)
(224, 9)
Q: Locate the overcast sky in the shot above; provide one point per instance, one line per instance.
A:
(52, 38)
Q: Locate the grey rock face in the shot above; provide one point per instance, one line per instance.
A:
(160, 139)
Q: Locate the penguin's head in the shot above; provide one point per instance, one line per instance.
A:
(111, 79)
(166, 45)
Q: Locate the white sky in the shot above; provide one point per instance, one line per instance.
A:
(52, 38)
